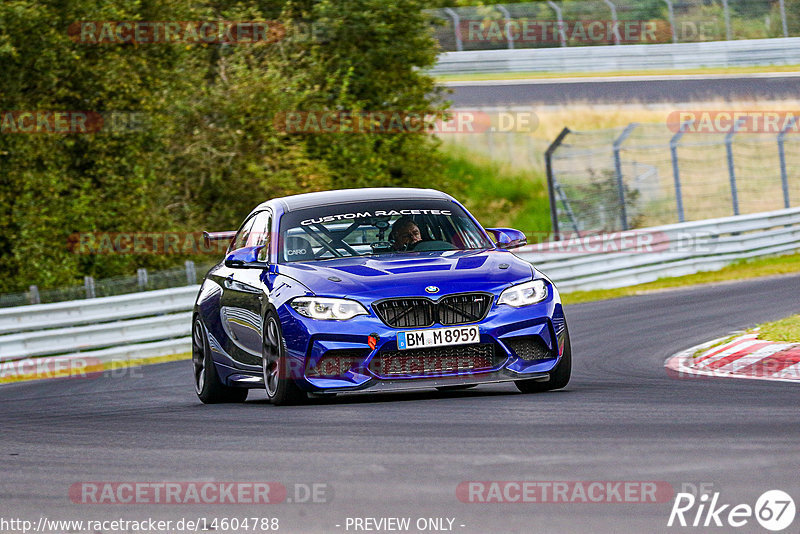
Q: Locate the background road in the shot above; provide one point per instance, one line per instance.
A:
(403, 454)
(622, 91)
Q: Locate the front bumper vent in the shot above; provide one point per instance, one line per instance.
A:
(436, 361)
(529, 348)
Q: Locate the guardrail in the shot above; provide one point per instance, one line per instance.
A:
(583, 262)
(59, 340)
(750, 52)
(90, 311)
(138, 325)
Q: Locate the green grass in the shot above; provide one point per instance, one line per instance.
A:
(740, 270)
(654, 72)
(786, 330)
(498, 195)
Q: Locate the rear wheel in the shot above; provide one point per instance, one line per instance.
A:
(281, 388)
(207, 384)
(559, 376)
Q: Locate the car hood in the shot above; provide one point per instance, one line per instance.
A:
(407, 274)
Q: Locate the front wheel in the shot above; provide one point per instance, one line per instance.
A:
(207, 384)
(559, 376)
(281, 388)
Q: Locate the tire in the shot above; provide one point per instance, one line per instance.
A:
(559, 376)
(456, 388)
(207, 384)
(281, 388)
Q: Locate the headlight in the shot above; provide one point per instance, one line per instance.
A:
(327, 308)
(524, 294)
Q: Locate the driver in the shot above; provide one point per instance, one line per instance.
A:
(405, 233)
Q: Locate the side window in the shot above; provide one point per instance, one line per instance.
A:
(260, 234)
(240, 241)
(468, 233)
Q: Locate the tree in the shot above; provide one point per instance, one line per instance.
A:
(207, 150)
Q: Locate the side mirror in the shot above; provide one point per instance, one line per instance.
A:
(245, 258)
(508, 237)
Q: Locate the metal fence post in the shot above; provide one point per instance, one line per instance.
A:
(731, 172)
(673, 149)
(618, 168)
(551, 190)
(191, 273)
(507, 15)
(456, 27)
(88, 283)
(141, 274)
(727, 13)
(561, 34)
(783, 18)
(782, 161)
(671, 15)
(33, 292)
(614, 20)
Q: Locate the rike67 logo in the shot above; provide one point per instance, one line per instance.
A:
(774, 510)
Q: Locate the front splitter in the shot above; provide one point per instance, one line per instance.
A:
(407, 384)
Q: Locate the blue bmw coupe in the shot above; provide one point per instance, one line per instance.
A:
(373, 289)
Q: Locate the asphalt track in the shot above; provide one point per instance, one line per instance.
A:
(403, 454)
(624, 91)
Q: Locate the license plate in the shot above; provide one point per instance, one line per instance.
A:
(438, 337)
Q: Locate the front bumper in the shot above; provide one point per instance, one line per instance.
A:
(309, 342)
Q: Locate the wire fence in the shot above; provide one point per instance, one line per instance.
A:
(144, 280)
(646, 175)
(518, 150)
(600, 22)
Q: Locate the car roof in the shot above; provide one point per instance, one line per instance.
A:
(341, 196)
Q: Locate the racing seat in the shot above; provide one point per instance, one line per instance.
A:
(298, 248)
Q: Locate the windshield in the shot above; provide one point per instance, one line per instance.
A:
(379, 227)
